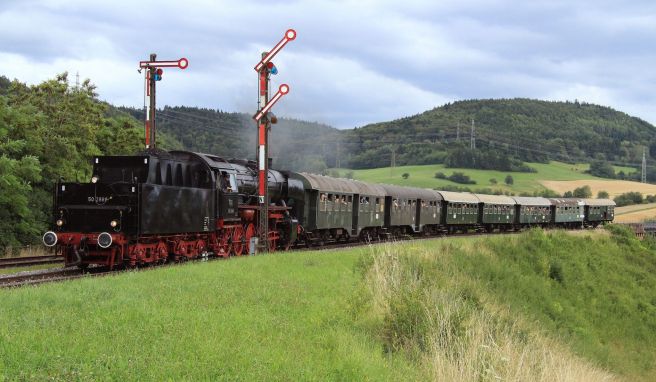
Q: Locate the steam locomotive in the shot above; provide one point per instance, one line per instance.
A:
(161, 206)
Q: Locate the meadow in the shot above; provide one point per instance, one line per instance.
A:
(527, 182)
(539, 306)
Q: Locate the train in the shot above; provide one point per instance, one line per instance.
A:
(171, 206)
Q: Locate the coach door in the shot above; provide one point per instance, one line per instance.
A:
(356, 208)
(417, 215)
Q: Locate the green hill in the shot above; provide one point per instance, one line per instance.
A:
(530, 307)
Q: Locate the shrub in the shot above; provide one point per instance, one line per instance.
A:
(628, 198)
(405, 175)
(602, 194)
(461, 178)
(509, 180)
(440, 175)
(493, 181)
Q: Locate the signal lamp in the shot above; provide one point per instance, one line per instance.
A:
(94, 179)
(113, 223)
(273, 119)
(60, 222)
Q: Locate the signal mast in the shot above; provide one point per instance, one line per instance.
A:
(153, 74)
(265, 68)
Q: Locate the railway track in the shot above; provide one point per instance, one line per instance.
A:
(11, 262)
(64, 274)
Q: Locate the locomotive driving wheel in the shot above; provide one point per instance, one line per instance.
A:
(225, 243)
(237, 241)
(249, 232)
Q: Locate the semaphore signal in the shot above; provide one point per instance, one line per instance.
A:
(265, 68)
(153, 74)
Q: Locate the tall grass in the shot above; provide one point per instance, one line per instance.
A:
(515, 308)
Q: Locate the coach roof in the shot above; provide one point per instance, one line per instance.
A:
(495, 199)
(531, 201)
(410, 192)
(346, 186)
(459, 197)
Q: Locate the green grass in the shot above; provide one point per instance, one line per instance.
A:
(424, 176)
(281, 317)
(582, 299)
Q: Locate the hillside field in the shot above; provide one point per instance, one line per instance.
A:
(539, 306)
(424, 176)
(635, 213)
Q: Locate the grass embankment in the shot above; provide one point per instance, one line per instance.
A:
(518, 307)
(424, 176)
(514, 307)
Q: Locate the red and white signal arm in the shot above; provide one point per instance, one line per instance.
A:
(289, 36)
(182, 63)
(282, 90)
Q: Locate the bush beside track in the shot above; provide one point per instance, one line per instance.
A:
(309, 315)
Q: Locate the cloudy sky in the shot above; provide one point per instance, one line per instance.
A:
(353, 62)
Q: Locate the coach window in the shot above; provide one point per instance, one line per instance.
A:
(329, 202)
(349, 202)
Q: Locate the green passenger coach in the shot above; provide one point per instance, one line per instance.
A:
(598, 211)
(532, 210)
(459, 209)
(496, 211)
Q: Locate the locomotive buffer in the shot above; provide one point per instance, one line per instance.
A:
(265, 68)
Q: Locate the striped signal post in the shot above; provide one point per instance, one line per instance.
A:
(153, 74)
(264, 69)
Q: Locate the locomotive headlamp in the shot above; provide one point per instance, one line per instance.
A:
(104, 240)
(113, 223)
(94, 179)
(49, 239)
(60, 222)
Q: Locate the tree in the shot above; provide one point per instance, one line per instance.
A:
(582, 192)
(509, 180)
(602, 195)
(17, 222)
(602, 169)
(405, 175)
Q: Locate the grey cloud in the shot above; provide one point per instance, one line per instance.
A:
(353, 62)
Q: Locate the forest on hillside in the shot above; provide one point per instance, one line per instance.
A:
(507, 132)
(294, 145)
